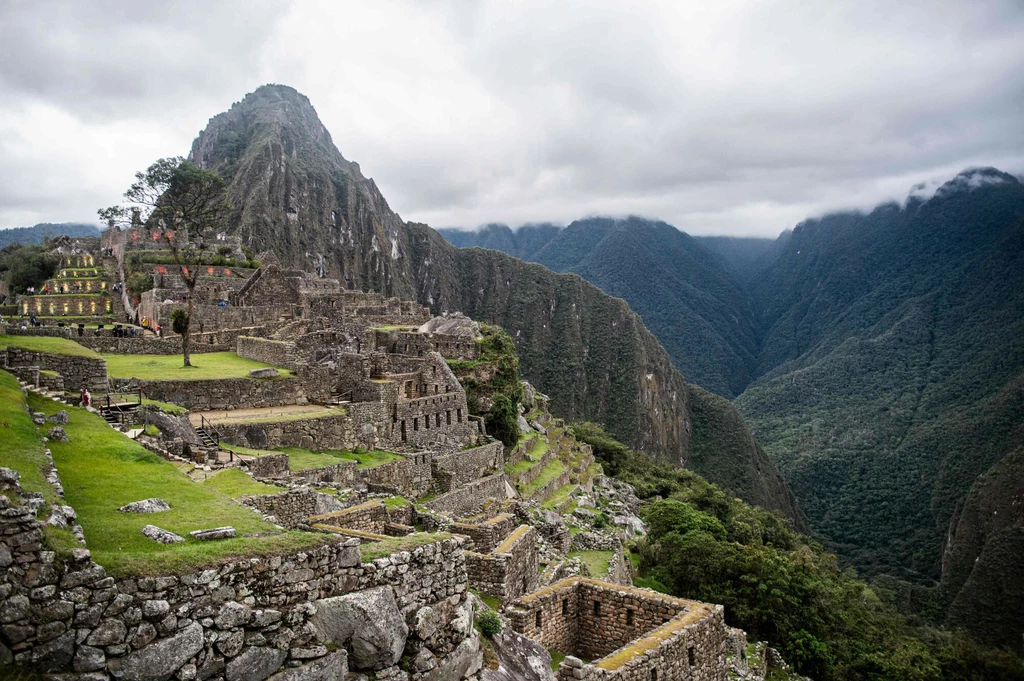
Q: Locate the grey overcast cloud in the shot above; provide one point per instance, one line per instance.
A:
(723, 117)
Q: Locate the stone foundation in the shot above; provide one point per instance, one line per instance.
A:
(509, 572)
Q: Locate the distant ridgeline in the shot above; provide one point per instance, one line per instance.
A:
(879, 358)
(36, 233)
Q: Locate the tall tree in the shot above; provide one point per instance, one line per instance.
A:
(188, 206)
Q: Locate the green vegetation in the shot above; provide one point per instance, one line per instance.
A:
(779, 586)
(560, 496)
(300, 459)
(236, 483)
(20, 447)
(597, 562)
(490, 601)
(239, 449)
(103, 470)
(53, 346)
(151, 430)
(372, 550)
(502, 386)
(489, 623)
(552, 470)
(206, 366)
(396, 502)
(24, 265)
(556, 658)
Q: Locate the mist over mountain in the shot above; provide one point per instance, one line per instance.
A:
(36, 233)
(297, 197)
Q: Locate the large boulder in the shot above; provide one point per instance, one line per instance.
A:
(59, 434)
(161, 659)
(461, 663)
(152, 505)
(519, 659)
(60, 418)
(366, 622)
(255, 664)
(334, 667)
(159, 534)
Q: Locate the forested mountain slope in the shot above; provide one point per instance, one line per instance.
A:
(295, 195)
(36, 233)
(686, 295)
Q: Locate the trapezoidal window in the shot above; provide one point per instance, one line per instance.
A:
(629, 617)
(692, 656)
(539, 619)
(565, 607)
(597, 608)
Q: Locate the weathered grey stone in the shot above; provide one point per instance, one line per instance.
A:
(155, 610)
(60, 418)
(58, 433)
(367, 621)
(15, 608)
(89, 659)
(331, 668)
(524, 427)
(160, 659)
(424, 661)
(268, 372)
(211, 534)
(255, 664)
(143, 635)
(108, 633)
(461, 663)
(519, 659)
(232, 614)
(51, 656)
(152, 505)
(158, 534)
(38, 418)
(230, 643)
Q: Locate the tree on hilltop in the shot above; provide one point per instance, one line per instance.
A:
(188, 206)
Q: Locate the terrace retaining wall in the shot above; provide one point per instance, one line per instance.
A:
(76, 371)
(511, 571)
(471, 498)
(226, 393)
(242, 620)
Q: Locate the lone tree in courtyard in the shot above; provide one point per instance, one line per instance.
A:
(187, 206)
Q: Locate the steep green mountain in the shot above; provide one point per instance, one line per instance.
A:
(36, 233)
(295, 195)
(685, 294)
(892, 364)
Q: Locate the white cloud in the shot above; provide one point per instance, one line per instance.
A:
(726, 117)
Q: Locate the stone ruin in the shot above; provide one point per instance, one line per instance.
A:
(375, 373)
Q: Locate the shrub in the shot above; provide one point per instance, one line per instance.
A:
(179, 321)
(489, 623)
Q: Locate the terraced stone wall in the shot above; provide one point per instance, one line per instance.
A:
(76, 371)
(225, 393)
(470, 498)
(487, 535)
(467, 465)
(511, 570)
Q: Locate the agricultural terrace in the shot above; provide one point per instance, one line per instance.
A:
(53, 346)
(205, 367)
(102, 470)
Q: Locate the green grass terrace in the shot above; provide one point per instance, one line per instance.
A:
(102, 470)
(52, 346)
(207, 366)
(300, 459)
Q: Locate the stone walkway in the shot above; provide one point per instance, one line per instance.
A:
(260, 414)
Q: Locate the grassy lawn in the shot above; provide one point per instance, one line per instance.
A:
(205, 366)
(132, 398)
(20, 448)
(300, 459)
(491, 602)
(556, 658)
(102, 470)
(596, 561)
(235, 483)
(372, 550)
(53, 346)
(393, 327)
(561, 495)
(539, 448)
(396, 502)
(239, 449)
(554, 468)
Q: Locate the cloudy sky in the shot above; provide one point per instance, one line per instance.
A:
(719, 117)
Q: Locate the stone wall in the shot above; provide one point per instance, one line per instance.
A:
(267, 466)
(486, 535)
(468, 465)
(411, 476)
(471, 498)
(226, 393)
(76, 371)
(208, 341)
(629, 633)
(290, 509)
(341, 473)
(241, 620)
(369, 517)
(325, 432)
(276, 353)
(511, 571)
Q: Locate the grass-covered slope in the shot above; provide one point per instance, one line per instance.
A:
(205, 366)
(102, 470)
(20, 447)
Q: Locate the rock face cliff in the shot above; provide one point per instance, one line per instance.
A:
(295, 195)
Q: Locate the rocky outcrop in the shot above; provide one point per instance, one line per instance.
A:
(295, 194)
(153, 505)
(368, 621)
(519, 659)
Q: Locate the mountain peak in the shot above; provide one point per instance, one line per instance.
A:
(966, 180)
